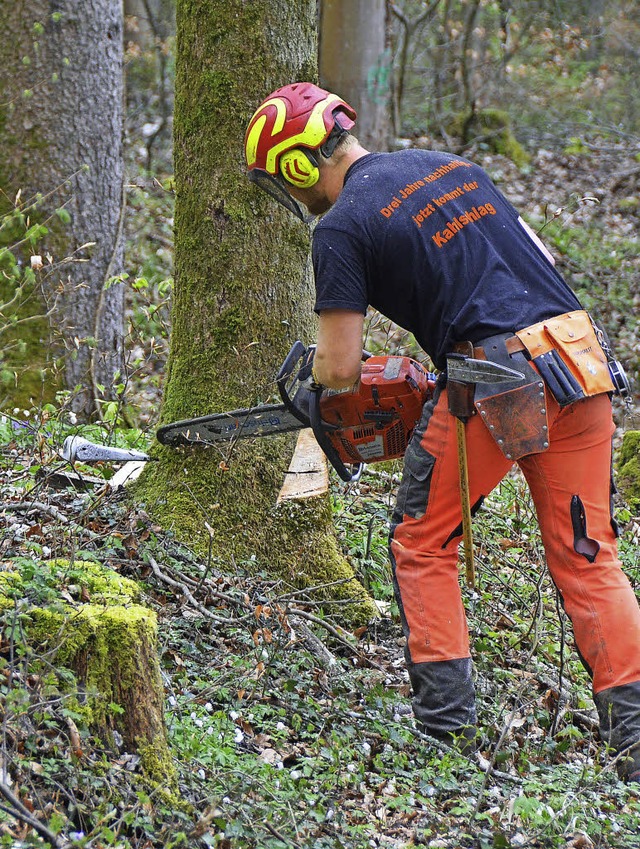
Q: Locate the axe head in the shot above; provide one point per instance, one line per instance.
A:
(463, 369)
(80, 449)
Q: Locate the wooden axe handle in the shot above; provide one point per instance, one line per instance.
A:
(463, 469)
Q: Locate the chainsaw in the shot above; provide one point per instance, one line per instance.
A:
(366, 424)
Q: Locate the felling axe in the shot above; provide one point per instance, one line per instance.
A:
(463, 372)
(77, 448)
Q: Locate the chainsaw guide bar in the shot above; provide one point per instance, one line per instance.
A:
(264, 420)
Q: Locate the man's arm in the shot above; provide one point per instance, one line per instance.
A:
(338, 358)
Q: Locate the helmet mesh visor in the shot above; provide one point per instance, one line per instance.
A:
(274, 187)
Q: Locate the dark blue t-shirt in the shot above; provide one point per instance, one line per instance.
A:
(427, 239)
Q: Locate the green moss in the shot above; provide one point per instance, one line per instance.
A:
(219, 83)
(41, 582)
(108, 642)
(493, 127)
(577, 147)
(158, 767)
(628, 465)
(108, 634)
(227, 328)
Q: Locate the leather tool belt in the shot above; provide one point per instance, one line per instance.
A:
(568, 358)
(567, 352)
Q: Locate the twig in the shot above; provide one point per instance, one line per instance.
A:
(19, 811)
(48, 509)
(274, 831)
(323, 624)
(618, 179)
(314, 644)
(556, 716)
(187, 593)
(294, 611)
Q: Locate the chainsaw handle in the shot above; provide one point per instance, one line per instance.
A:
(287, 381)
(289, 369)
(320, 433)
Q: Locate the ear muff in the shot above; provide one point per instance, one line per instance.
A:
(299, 167)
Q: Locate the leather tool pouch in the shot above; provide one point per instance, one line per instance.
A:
(515, 413)
(568, 355)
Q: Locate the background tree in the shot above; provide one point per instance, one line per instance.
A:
(242, 296)
(149, 35)
(355, 60)
(402, 41)
(61, 119)
(454, 56)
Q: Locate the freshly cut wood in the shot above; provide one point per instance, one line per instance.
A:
(308, 475)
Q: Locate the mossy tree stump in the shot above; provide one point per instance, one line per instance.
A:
(493, 127)
(88, 619)
(628, 466)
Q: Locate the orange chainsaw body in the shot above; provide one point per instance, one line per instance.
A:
(374, 421)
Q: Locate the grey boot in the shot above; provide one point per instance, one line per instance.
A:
(444, 701)
(619, 712)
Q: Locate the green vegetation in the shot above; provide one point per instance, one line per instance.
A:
(287, 730)
(23, 322)
(490, 129)
(629, 469)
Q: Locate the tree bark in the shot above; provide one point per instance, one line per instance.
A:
(355, 62)
(61, 120)
(242, 295)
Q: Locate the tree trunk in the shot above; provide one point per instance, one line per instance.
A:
(61, 119)
(355, 63)
(242, 295)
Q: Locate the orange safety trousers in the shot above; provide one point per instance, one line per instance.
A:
(571, 487)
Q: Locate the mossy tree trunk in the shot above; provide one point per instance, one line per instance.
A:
(628, 465)
(61, 127)
(243, 294)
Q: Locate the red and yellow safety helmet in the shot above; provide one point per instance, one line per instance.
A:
(284, 134)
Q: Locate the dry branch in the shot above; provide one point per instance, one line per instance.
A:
(21, 813)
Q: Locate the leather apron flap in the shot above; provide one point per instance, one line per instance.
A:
(515, 413)
(517, 420)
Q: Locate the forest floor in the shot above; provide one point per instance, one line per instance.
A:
(286, 730)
